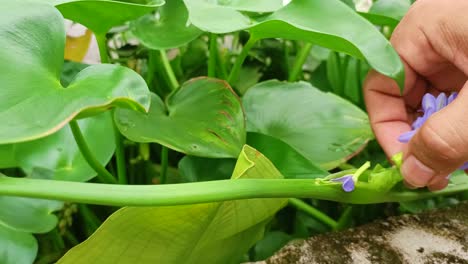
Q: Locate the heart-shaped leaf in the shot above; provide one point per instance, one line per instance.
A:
(227, 16)
(328, 23)
(206, 233)
(204, 118)
(102, 15)
(168, 28)
(19, 218)
(59, 152)
(324, 128)
(33, 104)
(27, 214)
(287, 160)
(16, 246)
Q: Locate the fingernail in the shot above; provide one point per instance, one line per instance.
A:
(415, 172)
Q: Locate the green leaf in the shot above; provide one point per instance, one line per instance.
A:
(387, 12)
(328, 23)
(352, 84)
(384, 179)
(227, 16)
(102, 15)
(322, 127)
(205, 233)
(166, 29)
(7, 160)
(28, 215)
(335, 75)
(202, 118)
(16, 246)
(250, 76)
(23, 216)
(33, 104)
(60, 153)
(196, 169)
(69, 70)
(287, 160)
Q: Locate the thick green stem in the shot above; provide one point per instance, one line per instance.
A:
(164, 164)
(120, 157)
(213, 55)
(119, 149)
(102, 44)
(221, 65)
(151, 67)
(300, 60)
(103, 174)
(203, 192)
(234, 74)
(169, 72)
(310, 210)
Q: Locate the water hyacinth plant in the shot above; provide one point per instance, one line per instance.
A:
(205, 132)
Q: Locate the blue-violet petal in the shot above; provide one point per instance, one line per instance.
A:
(406, 137)
(348, 182)
(441, 101)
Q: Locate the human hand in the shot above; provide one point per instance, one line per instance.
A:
(432, 41)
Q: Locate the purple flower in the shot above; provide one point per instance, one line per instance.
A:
(451, 98)
(464, 166)
(429, 105)
(405, 137)
(441, 101)
(347, 182)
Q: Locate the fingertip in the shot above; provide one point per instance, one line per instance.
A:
(438, 184)
(415, 172)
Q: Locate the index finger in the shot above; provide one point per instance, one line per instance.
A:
(387, 109)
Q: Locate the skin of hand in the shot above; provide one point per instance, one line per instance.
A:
(432, 41)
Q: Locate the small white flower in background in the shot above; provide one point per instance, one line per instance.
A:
(362, 5)
(74, 30)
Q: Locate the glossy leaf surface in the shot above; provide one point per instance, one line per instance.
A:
(28, 214)
(202, 118)
(206, 233)
(322, 127)
(101, 15)
(16, 246)
(168, 28)
(59, 152)
(287, 160)
(328, 23)
(227, 16)
(33, 103)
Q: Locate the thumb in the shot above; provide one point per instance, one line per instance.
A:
(439, 147)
